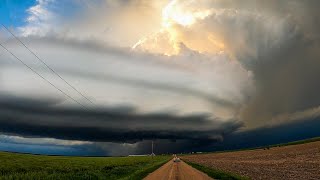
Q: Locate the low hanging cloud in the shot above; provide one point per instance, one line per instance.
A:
(120, 124)
(40, 141)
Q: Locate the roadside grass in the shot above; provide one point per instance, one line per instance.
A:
(144, 172)
(26, 166)
(217, 174)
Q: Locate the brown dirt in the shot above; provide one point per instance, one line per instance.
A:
(288, 162)
(177, 171)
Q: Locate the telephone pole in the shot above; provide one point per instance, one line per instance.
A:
(152, 153)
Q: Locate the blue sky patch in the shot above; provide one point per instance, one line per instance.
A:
(14, 12)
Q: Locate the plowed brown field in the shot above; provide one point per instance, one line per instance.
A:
(288, 162)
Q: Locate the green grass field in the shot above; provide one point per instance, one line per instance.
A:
(25, 166)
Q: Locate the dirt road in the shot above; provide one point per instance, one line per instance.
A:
(177, 171)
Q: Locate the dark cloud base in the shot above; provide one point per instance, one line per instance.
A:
(32, 118)
(239, 140)
(270, 135)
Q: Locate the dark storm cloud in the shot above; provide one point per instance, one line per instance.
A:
(286, 81)
(286, 73)
(41, 119)
(278, 41)
(179, 146)
(270, 135)
(263, 136)
(144, 147)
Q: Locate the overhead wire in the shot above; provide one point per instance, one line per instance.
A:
(42, 77)
(44, 63)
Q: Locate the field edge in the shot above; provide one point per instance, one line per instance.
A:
(138, 175)
(217, 174)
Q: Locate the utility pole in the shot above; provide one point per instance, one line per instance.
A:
(152, 147)
(152, 153)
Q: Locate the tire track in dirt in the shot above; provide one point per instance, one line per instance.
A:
(177, 171)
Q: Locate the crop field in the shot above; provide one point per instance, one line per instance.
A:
(295, 161)
(24, 166)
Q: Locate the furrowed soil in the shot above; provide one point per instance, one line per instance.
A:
(177, 171)
(288, 162)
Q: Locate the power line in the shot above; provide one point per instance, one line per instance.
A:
(43, 62)
(34, 71)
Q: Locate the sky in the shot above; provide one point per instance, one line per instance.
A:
(13, 13)
(191, 75)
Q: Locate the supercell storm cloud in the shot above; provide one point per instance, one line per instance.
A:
(186, 71)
